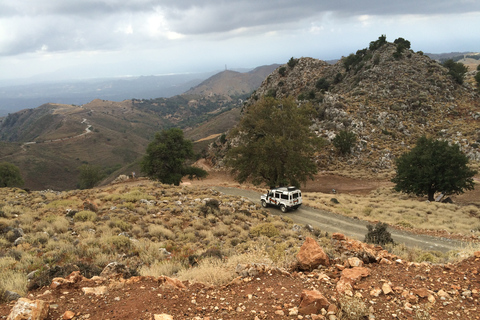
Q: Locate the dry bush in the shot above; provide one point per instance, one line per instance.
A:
(265, 229)
(210, 271)
(167, 268)
(220, 230)
(11, 278)
(85, 215)
(351, 308)
(160, 232)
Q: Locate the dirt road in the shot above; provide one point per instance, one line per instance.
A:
(353, 228)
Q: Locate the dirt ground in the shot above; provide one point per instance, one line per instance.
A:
(418, 291)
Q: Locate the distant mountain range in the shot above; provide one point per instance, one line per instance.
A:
(51, 141)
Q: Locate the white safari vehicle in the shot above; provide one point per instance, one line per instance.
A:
(287, 198)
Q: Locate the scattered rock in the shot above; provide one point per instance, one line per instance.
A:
(115, 270)
(311, 255)
(11, 296)
(311, 302)
(162, 316)
(68, 315)
(98, 291)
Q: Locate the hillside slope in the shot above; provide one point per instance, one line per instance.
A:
(232, 83)
(387, 100)
(50, 142)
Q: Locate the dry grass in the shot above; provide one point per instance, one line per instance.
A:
(157, 238)
(399, 209)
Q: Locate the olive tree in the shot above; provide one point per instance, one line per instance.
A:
(433, 166)
(273, 144)
(166, 156)
(10, 175)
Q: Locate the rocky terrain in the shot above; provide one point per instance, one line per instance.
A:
(137, 249)
(387, 99)
(363, 282)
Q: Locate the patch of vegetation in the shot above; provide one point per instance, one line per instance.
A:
(344, 141)
(292, 62)
(401, 45)
(433, 166)
(322, 84)
(265, 229)
(378, 234)
(456, 70)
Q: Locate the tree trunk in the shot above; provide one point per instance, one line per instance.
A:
(431, 195)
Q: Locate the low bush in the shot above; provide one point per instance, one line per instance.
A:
(378, 234)
(265, 229)
(84, 216)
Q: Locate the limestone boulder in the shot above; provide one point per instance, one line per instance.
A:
(29, 309)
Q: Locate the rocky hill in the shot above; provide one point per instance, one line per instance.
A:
(233, 83)
(387, 97)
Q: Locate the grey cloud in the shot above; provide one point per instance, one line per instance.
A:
(90, 24)
(212, 16)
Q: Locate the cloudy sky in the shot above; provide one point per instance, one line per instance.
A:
(96, 38)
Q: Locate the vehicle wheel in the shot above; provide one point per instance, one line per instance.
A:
(283, 208)
(264, 204)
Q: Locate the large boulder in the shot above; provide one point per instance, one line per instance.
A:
(311, 255)
(29, 309)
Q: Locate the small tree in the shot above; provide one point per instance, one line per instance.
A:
(166, 155)
(273, 144)
(89, 176)
(10, 175)
(344, 141)
(433, 166)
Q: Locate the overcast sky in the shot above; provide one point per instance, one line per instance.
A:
(96, 38)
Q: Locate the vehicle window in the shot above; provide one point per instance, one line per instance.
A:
(277, 195)
(285, 196)
(295, 195)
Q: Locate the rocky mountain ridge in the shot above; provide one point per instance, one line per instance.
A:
(387, 99)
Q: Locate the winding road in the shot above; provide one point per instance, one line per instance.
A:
(353, 228)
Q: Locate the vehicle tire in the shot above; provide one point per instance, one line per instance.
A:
(283, 208)
(264, 204)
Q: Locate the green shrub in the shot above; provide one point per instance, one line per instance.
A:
(477, 77)
(344, 141)
(282, 71)
(322, 84)
(292, 62)
(456, 70)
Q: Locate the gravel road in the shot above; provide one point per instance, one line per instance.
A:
(353, 228)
